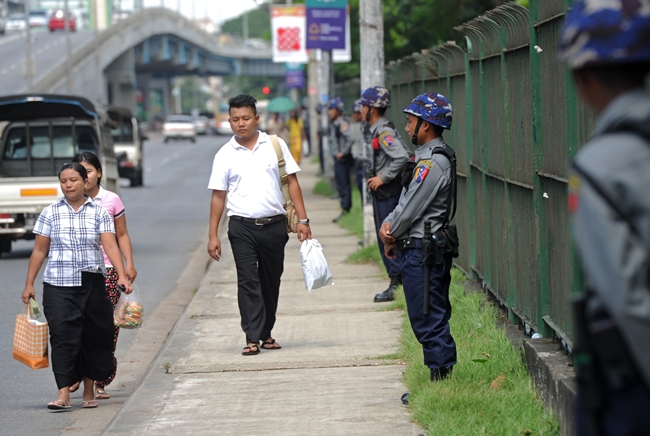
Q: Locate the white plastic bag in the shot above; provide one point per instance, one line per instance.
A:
(128, 312)
(314, 265)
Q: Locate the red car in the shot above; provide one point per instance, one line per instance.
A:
(57, 21)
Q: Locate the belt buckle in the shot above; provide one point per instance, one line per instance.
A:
(261, 221)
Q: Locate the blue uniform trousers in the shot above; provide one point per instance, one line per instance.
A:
(383, 208)
(624, 414)
(342, 169)
(432, 330)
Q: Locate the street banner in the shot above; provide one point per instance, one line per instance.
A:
(289, 33)
(294, 76)
(344, 55)
(326, 24)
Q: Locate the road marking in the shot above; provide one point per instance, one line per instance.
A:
(8, 39)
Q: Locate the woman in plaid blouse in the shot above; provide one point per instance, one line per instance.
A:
(77, 310)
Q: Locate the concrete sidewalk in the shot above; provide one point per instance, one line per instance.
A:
(327, 378)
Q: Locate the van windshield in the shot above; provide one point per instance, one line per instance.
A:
(62, 145)
(123, 132)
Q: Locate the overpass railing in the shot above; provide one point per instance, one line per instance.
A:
(517, 122)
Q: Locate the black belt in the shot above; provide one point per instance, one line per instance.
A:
(259, 221)
(404, 244)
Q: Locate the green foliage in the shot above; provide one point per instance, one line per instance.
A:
(324, 188)
(259, 24)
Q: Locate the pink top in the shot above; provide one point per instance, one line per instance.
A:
(113, 205)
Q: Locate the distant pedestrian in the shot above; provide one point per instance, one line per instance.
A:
(607, 47)
(385, 167)
(245, 172)
(341, 141)
(296, 135)
(112, 203)
(427, 198)
(75, 303)
(274, 125)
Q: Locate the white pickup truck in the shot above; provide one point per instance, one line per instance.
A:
(40, 133)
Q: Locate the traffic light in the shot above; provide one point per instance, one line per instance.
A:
(266, 90)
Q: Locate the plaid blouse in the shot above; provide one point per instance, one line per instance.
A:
(74, 240)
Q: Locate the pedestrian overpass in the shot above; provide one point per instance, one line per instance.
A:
(141, 53)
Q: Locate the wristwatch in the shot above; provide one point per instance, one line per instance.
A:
(305, 221)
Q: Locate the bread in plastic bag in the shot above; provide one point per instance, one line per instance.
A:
(129, 310)
(314, 266)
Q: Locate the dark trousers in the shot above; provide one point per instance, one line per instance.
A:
(80, 320)
(383, 208)
(432, 330)
(342, 169)
(625, 412)
(359, 175)
(259, 257)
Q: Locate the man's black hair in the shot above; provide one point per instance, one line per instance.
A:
(381, 111)
(437, 129)
(242, 100)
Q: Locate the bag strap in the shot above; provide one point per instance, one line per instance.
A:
(284, 177)
(452, 198)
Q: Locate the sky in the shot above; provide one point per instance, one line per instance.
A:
(216, 10)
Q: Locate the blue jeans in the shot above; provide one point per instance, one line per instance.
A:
(432, 330)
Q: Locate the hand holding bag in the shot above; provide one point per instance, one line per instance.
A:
(30, 341)
(292, 215)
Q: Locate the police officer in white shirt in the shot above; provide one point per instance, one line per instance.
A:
(246, 168)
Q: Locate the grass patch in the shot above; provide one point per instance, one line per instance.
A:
(324, 188)
(490, 391)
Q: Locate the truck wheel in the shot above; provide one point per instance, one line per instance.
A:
(136, 180)
(5, 245)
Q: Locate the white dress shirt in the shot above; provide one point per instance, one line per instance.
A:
(251, 177)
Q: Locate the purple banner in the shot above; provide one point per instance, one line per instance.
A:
(326, 28)
(294, 78)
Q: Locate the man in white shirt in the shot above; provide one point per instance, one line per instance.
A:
(246, 168)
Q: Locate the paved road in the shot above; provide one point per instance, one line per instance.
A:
(167, 219)
(48, 49)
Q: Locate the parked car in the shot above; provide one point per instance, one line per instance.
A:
(179, 127)
(57, 21)
(128, 140)
(16, 22)
(202, 124)
(38, 18)
(41, 133)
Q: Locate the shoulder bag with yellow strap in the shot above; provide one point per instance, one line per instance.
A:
(292, 216)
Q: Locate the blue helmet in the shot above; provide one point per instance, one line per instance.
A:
(376, 96)
(356, 106)
(336, 103)
(608, 32)
(319, 107)
(433, 108)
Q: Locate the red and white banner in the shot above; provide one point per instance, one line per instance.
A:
(289, 29)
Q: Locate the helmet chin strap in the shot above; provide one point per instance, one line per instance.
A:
(368, 115)
(414, 138)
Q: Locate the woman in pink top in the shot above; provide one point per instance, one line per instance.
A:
(113, 205)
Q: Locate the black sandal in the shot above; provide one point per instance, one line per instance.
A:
(251, 350)
(268, 344)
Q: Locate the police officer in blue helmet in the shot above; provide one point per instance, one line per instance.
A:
(424, 211)
(387, 158)
(606, 44)
(341, 141)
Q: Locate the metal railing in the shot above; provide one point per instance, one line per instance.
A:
(517, 122)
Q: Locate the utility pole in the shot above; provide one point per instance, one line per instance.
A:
(68, 46)
(99, 89)
(324, 85)
(312, 91)
(29, 65)
(371, 30)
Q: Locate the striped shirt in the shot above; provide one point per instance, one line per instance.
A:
(74, 240)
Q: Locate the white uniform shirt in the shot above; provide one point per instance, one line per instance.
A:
(251, 177)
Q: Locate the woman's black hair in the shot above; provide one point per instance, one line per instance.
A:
(73, 166)
(92, 159)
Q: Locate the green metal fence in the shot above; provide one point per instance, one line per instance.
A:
(517, 122)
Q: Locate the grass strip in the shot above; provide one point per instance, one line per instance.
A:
(490, 392)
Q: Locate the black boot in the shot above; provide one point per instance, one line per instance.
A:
(343, 213)
(388, 294)
(438, 374)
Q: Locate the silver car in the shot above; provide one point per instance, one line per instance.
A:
(16, 22)
(179, 127)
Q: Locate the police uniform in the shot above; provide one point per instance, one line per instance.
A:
(389, 157)
(611, 222)
(341, 141)
(426, 199)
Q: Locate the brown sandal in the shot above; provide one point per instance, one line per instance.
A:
(270, 344)
(251, 350)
